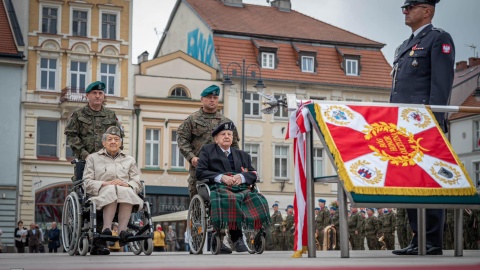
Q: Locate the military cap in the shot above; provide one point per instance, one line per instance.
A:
(211, 90)
(322, 200)
(289, 206)
(114, 130)
(362, 211)
(385, 211)
(98, 85)
(333, 208)
(222, 127)
(317, 208)
(416, 2)
(275, 204)
(372, 209)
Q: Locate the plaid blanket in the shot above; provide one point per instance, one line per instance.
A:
(237, 207)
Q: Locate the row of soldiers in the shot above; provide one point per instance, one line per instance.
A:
(282, 230)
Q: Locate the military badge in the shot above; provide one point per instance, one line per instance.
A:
(339, 115)
(446, 48)
(445, 173)
(415, 116)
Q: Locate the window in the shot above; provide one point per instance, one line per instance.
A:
(107, 76)
(476, 173)
(252, 150)
(307, 64)
(47, 138)
(317, 162)
(252, 104)
(49, 204)
(177, 158)
(476, 135)
(79, 23)
(268, 60)
(48, 73)
(152, 148)
(49, 20)
(109, 26)
(352, 67)
(282, 111)
(281, 162)
(78, 76)
(179, 92)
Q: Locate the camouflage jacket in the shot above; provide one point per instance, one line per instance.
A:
(289, 224)
(85, 129)
(323, 219)
(371, 225)
(401, 217)
(355, 223)
(335, 220)
(196, 131)
(388, 223)
(277, 220)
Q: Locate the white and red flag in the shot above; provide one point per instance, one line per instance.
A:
(298, 125)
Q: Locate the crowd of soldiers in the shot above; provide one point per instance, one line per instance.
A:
(375, 227)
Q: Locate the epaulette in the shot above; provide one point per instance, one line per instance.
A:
(438, 29)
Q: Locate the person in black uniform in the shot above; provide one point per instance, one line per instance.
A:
(423, 74)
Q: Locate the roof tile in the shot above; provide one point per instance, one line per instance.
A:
(7, 42)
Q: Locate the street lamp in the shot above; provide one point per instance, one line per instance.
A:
(243, 77)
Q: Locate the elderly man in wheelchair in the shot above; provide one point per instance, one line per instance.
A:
(111, 184)
(234, 203)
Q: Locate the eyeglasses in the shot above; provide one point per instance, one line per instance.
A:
(411, 7)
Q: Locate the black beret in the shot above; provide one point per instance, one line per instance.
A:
(223, 126)
(416, 2)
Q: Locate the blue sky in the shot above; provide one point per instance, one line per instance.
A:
(379, 20)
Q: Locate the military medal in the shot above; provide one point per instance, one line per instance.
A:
(412, 53)
(415, 63)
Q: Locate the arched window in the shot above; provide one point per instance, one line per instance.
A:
(179, 92)
(49, 204)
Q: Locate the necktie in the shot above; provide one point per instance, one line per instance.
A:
(410, 39)
(226, 153)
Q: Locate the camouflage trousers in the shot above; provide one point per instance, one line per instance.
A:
(278, 240)
(192, 185)
(320, 237)
(289, 240)
(372, 241)
(448, 238)
(356, 241)
(389, 238)
(402, 236)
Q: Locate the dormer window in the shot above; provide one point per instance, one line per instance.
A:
(350, 58)
(308, 64)
(351, 67)
(266, 53)
(306, 56)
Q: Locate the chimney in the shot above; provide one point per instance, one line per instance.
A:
(282, 5)
(461, 66)
(233, 3)
(473, 61)
(143, 57)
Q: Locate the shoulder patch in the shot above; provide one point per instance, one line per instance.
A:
(438, 29)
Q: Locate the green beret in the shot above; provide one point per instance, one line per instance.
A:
(211, 90)
(223, 126)
(98, 85)
(114, 130)
(322, 200)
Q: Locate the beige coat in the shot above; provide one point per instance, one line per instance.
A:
(101, 167)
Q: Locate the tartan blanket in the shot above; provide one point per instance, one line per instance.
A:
(237, 207)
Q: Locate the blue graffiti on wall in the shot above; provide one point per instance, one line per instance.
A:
(199, 47)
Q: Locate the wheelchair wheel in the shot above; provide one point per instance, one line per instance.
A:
(136, 247)
(216, 243)
(249, 239)
(71, 220)
(259, 243)
(196, 224)
(83, 246)
(147, 246)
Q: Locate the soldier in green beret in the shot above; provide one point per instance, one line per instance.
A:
(196, 131)
(86, 125)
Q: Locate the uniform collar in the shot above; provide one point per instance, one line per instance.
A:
(209, 115)
(420, 29)
(104, 152)
(89, 110)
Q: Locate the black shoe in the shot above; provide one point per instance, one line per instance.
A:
(431, 250)
(124, 237)
(405, 251)
(239, 246)
(225, 250)
(99, 249)
(107, 232)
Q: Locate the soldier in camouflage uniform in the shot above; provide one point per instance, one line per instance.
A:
(402, 222)
(380, 217)
(86, 125)
(362, 231)
(289, 228)
(469, 230)
(371, 227)
(354, 229)
(448, 232)
(276, 228)
(335, 221)
(388, 228)
(322, 221)
(196, 131)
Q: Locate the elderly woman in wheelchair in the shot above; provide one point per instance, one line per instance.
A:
(234, 203)
(112, 181)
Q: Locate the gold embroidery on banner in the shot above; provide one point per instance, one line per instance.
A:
(455, 175)
(420, 119)
(354, 169)
(390, 140)
(340, 110)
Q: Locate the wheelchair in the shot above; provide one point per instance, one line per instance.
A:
(81, 223)
(199, 226)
